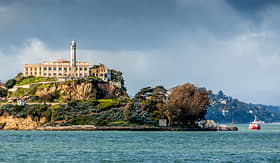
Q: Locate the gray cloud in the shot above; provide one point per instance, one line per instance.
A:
(218, 45)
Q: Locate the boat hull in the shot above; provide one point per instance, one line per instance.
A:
(255, 126)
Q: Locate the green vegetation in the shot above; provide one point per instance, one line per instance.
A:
(10, 83)
(82, 120)
(225, 109)
(19, 77)
(47, 85)
(31, 80)
(107, 103)
(92, 101)
(118, 123)
(20, 92)
(18, 109)
(93, 78)
(3, 92)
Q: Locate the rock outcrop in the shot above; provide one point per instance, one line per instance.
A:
(81, 90)
(9, 122)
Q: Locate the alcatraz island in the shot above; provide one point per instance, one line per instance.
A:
(73, 95)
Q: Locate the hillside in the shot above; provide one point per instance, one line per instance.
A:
(275, 109)
(65, 103)
(225, 109)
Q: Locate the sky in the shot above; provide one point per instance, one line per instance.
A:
(229, 45)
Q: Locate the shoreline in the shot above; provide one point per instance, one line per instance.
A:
(127, 128)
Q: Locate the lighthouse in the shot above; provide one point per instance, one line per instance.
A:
(73, 54)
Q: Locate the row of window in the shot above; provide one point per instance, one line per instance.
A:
(55, 74)
(101, 70)
(60, 69)
(101, 75)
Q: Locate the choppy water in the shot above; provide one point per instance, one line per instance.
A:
(115, 146)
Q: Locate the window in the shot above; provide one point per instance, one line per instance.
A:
(76, 69)
(45, 74)
(45, 68)
(50, 68)
(54, 74)
(85, 69)
(26, 69)
(59, 68)
(65, 69)
(31, 69)
(59, 74)
(81, 69)
(26, 73)
(50, 74)
(54, 68)
(35, 69)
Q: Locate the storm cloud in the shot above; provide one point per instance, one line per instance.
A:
(228, 45)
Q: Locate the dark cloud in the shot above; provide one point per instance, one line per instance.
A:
(228, 45)
(252, 8)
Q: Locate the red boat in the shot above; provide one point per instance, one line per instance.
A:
(256, 125)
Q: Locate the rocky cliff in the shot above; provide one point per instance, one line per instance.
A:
(72, 90)
(10, 122)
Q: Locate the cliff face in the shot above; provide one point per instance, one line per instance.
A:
(81, 90)
(10, 122)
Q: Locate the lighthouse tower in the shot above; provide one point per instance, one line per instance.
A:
(73, 54)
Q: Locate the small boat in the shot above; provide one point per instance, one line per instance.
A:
(256, 125)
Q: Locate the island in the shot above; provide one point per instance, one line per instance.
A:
(71, 95)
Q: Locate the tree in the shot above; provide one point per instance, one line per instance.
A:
(10, 83)
(127, 112)
(220, 94)
(19, 77)
(143, 93)
(186, 104)
(3, 92)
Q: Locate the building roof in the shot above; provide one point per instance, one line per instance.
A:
(99, 65)
(62, 61)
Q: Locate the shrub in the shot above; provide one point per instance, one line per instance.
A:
(3, 92)
(49, 97)
(156, 115)
(19, 92)
(127, 112)
(82, 120)
(31, 80)
(32, 90)
(47, 114)
(107, 103)
(101, 122)
(19, 77)
(72, 103)
(18, 108)
(10, 83)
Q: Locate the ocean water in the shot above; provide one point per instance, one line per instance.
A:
(119, 146)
